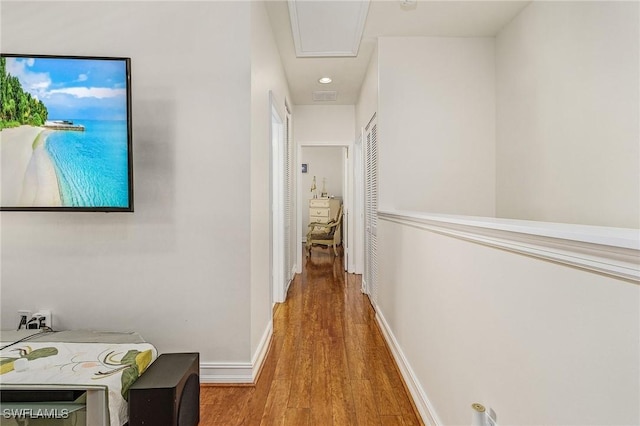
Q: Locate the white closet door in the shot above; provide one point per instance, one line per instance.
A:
(371, 210)
(288, 197)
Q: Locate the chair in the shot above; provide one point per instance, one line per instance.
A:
(325, 234)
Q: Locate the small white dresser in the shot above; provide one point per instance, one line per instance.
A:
(323, 210)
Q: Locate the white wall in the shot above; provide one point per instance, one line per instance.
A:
(568, 97)
(538, 342)
(324, 124)
(324, 162)
(436, 124)
(368, 100)
(177, 270)
(267, 75)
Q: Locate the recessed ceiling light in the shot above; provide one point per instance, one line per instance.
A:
(325, 80)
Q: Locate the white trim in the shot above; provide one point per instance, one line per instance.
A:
(347, 193)
(613, 252)
(226, 372)
(357, 248)
(292, 275)
(289, 281)
(298, 191)
(424, 406)
(302, 201)
(276, 137)
(261, 351)
(238, 372)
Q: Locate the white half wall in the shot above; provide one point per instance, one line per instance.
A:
(568, 109)
(436, 124)
(536, 341)
(178, 269)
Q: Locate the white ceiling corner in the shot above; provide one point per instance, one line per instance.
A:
(327, 28)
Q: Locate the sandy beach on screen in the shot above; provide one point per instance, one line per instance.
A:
(27, 173)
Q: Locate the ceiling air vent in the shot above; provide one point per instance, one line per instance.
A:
(325, 95)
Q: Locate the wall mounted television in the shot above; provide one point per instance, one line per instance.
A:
(65, 133)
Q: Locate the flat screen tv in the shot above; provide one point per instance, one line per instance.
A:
(65, 133)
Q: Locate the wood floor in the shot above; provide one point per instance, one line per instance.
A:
(328, 363)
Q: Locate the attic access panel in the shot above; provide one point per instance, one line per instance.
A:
(327, 28)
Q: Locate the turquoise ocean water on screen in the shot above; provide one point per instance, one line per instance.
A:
(92, 166)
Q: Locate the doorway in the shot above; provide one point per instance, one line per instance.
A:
(330, 166)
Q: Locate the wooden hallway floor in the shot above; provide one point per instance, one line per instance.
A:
(328, 363)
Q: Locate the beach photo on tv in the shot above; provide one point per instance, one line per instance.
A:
(64, 132)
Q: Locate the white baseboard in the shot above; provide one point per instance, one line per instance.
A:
(424, 406)
(292, 276)
(226, 372)
(261, 351)
(238, 372)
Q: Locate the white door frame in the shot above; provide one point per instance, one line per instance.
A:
(347, 196)
(278, 275)
(357, 249)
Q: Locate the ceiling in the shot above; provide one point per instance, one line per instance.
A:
(423, 18)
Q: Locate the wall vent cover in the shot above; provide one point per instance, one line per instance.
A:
(325, 95)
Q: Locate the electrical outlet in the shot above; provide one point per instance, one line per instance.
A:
(24, 315)
(492, 418)
(46, 314)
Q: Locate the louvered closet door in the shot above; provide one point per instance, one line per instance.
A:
(371, 210)
(288, 197)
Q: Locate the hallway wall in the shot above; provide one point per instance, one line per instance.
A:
(436, 124)
(267, 76)
(539, 342)
(177, 270)
(536, 340)
(568, 110)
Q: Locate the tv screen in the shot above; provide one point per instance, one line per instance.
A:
(65, 133)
